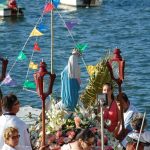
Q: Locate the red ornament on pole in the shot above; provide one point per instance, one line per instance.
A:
(4, 68)
(117, 60)
(2, 77)
(121, 65)
(39, 80)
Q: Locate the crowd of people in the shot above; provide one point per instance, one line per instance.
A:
(10, 107)
(14, 134)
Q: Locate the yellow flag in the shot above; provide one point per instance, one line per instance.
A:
(91, 69)
(35, 32)
(32, 65)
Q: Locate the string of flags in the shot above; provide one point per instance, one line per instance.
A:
(38, 31)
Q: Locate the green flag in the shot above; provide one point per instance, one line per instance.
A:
(29, 84)
(81, 47)
(21, 56)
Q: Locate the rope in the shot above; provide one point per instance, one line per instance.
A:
(66, 27)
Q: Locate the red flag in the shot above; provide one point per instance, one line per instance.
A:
(48, 7)
(36, 47)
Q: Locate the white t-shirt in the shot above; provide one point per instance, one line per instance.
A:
(7, 147)
(129, 114)
(127, 118)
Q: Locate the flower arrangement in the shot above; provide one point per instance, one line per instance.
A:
(61, 127)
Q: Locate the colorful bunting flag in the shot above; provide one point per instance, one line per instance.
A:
(29, 84)
(35, 32)
(21, 56)
(56, 3)
(81, 47)
(70, 24)
(8, 81)
(33, 66)
(36, 47)
(48, 7)
(42, 28)
(91, 69)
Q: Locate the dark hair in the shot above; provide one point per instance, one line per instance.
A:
(1, 94)
(111, 87)
(124, 97)
(84, 134)
(8, 102)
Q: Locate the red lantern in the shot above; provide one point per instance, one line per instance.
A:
(2, 76)
(4, 67)
(39, 78)
(117, 60)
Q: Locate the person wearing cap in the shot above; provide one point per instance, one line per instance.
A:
(10, 106)
(70, 82)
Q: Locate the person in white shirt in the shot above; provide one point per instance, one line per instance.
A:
(10, 106)
(128, 112)
(11, 138)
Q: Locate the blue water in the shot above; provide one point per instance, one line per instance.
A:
(124, 24)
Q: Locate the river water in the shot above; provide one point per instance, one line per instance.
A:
(124, 24)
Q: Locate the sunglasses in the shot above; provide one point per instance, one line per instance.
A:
(15, 137)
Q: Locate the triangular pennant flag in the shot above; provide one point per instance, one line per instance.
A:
(33, 66)
(36, 47)
(8, 81)
(81, 47)
(21, 56)
(91, 69)
(29, 84)
(56, 3)
(70, 24)
(35, 32)
(42, 28)
(48, 7)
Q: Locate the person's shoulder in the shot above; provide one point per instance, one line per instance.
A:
(133, 108)
(18, 122)
(1, 117)
(7, 147)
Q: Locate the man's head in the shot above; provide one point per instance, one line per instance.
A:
(125, 101)
(10, 103)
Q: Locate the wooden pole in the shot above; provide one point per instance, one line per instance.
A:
(121, 107)
(52, 40)
(102, 126)
(43, 122)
